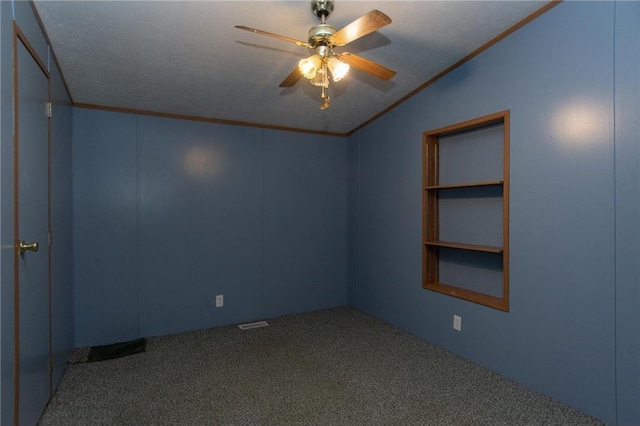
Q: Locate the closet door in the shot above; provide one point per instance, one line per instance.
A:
(33, 353)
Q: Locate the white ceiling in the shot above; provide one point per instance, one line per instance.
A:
(186, 57)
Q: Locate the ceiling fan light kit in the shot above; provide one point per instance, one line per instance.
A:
(323, 38)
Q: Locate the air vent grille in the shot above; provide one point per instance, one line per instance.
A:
(250, 325)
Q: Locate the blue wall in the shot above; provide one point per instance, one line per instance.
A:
(573, 327)
(177, 212)
(62, 329)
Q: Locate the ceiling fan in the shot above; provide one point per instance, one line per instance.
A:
(323, 38)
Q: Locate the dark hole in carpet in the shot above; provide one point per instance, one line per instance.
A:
(117, 350)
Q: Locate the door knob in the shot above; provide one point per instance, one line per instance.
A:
(31, 247)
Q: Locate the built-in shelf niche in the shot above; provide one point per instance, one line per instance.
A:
(466, 210)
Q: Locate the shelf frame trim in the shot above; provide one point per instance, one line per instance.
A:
(465, 246)
(467, 185)
(430, 211)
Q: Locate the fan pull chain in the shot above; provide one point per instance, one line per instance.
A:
(326, 98)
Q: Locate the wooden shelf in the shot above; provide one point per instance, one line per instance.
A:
(486, 291)
(463, 246)
(466, 185)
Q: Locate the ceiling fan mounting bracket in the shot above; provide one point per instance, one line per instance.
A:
(322, 8)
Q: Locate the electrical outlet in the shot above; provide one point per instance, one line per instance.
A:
(457, 323)
(219, 301)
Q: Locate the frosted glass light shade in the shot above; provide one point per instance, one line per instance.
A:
(309, 66)
(338, 68)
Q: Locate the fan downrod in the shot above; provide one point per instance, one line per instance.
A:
(322, 8)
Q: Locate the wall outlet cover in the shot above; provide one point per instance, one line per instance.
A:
(219, 301)
(457, 323)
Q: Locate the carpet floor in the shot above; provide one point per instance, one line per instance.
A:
(331, 367)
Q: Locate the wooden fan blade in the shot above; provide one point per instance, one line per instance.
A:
(370, 67)
(292, 78)
(278, 36)
(360, 27)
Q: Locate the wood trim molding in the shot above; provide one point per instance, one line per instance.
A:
(476, 123)
(53, 53)
(23, 38)
(505, 205)
(205, 119)
(16, 228)
(462, 61)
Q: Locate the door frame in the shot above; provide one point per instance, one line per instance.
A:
(20, 37)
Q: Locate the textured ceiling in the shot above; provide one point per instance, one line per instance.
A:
(186, 58)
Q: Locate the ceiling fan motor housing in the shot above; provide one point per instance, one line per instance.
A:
(322, 8)
(320, 35)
